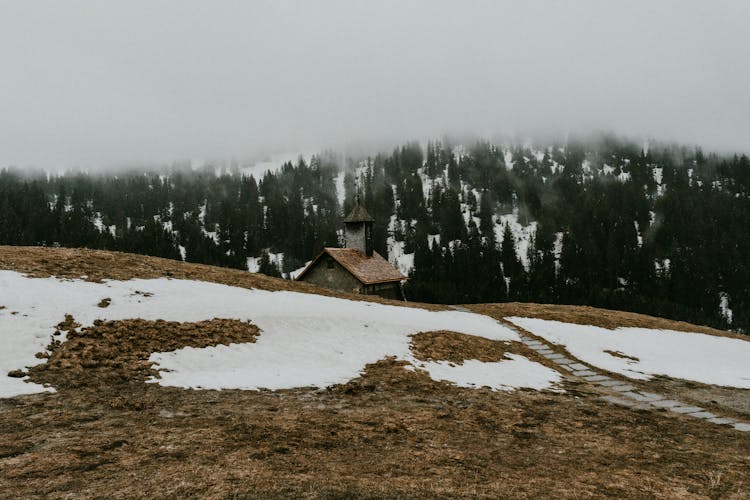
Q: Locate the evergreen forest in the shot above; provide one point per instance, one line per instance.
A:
(662, 230)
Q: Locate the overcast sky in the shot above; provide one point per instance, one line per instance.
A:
(87, 83)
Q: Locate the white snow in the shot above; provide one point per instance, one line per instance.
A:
(662, 266)
(404, 262)
(557, 247)
(586, 167)
(97, 221)
(516, 372)
(508, 158)
(426, 183)
(253, 263)
(698, 357)
(522, 235)
(293, 274)
(658, 173)
(638, 235)
(726, 311)
(201, 212)
(340, 189)
(99, 225)
(273, 163)
(305, 341)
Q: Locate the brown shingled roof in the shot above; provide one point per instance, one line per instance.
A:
(368, 270)
(359, 214)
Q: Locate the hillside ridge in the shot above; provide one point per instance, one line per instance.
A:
(97, 265)
(166, 369)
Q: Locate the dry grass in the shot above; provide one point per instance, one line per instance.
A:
(115, 352)
(458, 347)
(725, 401)
(621, 355)
(97, 265)
(585, 315)
(389, 433)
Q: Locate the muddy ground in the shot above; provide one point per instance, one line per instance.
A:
(390, 433)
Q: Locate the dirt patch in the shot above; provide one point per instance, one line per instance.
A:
(458, 347)
(585, 315)
(98, 265)
(104, 302)
(117, 352)
(390, 433)
(618, 354)
(68, 324)
(389, 374)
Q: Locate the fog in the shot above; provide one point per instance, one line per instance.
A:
(104, 84)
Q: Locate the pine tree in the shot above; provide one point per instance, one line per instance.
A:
(267, 267)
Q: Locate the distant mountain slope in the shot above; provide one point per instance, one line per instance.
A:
(659, 229)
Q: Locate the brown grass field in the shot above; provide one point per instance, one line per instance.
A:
(391, 433)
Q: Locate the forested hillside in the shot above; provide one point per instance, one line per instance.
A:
(662, 230)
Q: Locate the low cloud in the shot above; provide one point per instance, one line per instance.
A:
(86, 83)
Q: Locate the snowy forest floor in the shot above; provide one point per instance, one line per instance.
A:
(388, 433)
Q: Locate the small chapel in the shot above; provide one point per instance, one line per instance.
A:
(356, 268)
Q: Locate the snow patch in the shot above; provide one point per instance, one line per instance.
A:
(504, 375)
(522, 235)
(274, 163)
(638, 235)
(294, 274)
(404, 262)
(726, 312)
(305, 341)
(340, 189)
(699, 357)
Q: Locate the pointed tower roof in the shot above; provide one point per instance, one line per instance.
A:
(359, 214)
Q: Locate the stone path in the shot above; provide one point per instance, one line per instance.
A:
(623, 394)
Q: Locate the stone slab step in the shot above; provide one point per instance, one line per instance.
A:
(686, 409)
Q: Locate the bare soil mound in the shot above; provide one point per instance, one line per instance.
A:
(390, 433)
(116, 352)
(458, 347)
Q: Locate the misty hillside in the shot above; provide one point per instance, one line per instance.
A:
(656, 229)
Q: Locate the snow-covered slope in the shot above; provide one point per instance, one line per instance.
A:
(273, 163)
(640, 353)
(306, 340)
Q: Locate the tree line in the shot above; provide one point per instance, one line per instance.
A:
(606, 223)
